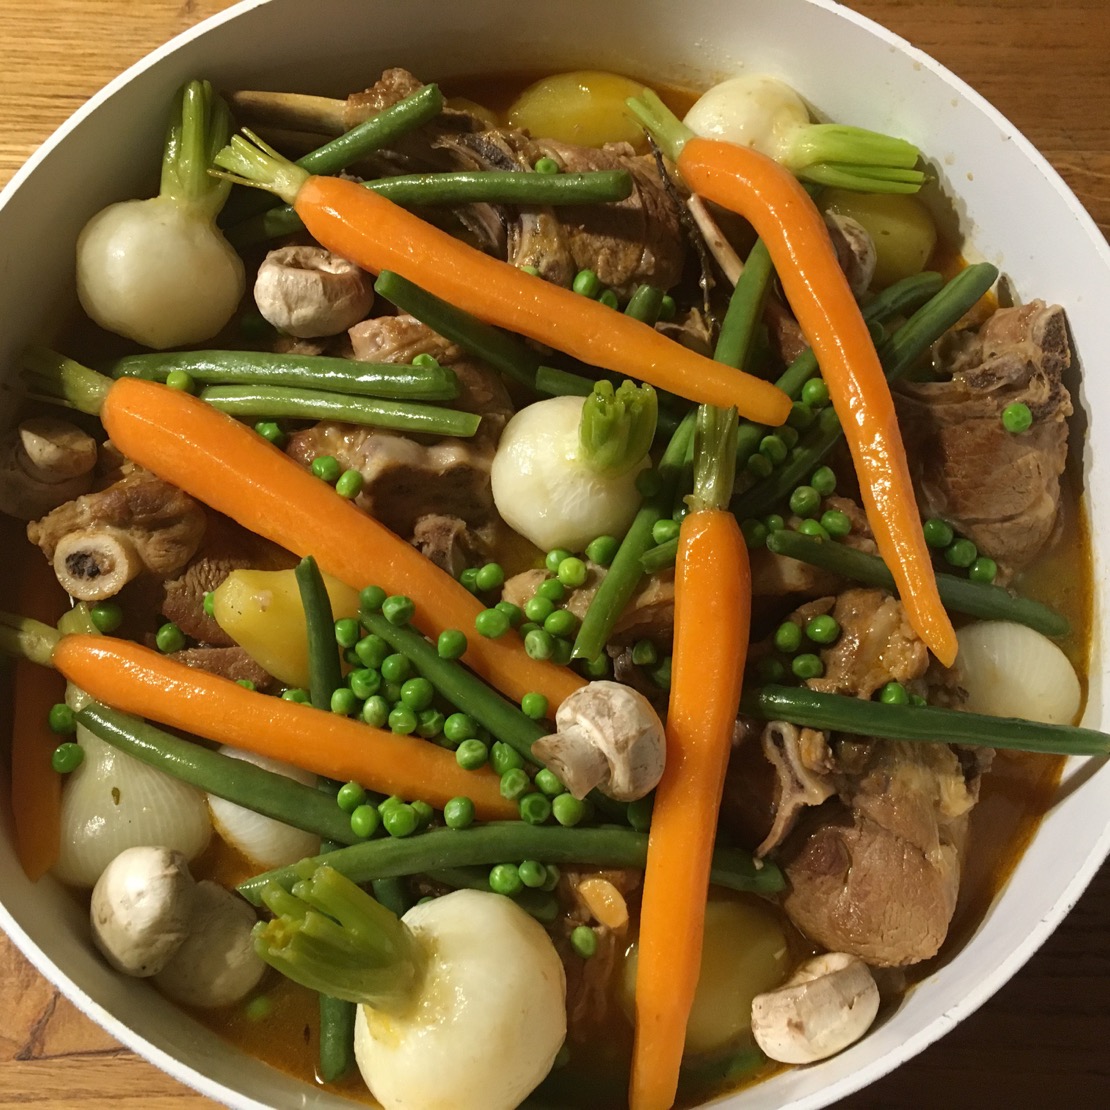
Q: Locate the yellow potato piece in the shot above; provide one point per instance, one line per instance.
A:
(586, 107)
(261, 611)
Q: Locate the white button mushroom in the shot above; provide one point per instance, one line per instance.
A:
(44, 463)
(608, 737)
(140, 909)
(825, 1006)
(308, 292)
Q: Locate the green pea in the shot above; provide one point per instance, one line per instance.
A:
(1017, 418)
(770, 669)
(602, 550)
(562, 622)
(984, 569)
(548, 782)
(245, 683)
(804, 501)
(538, 608)
(270, 430)
(344, 702)
(347, 631)
(759, 466)
(661, 675)
(774, 523)
(67, 757)
(490, 577)
(402, 719)
(608, 298)
(209, 603)
(459, 727)
(371, 598)
(551, 589)
(398, 609)
(584, 941)
(429, 723)
(595, 668)
(664, 530)
(813, 528)
(491, 623)
(554, 557)
(375, 711)
(754, 532)
(295, 694)
(392, 800)
(836, 523)
(639, 813)
(564, 649)
(400, 820)
(503, 758)
(532, 271)
(645, 653)
(534, 706)
(546, 165)
(258, 1009)
(326, 468)
(532, 873)
(372, 651)
(515, 784)
(107, 616)
(788, 637)
(815, 393)
(535, 809)
(458, 813)
(962, 553)
(773, 449)
(801, 416)
(469, 578)
(350, 796)
(181, 380)
(539, 644)
(418, 694)
(568, 810)
(471, 754)
(169, 638)
(425, 360)
(572, 572)
(349, 484)
(807, 666)
(513, 612)
(894, 693)
(823, 629)
(424, 813)
(788, 435)
(587, 283)
(365, 821)
(504, 878)
(917, 699)
(938, 533)
(61, 719)
(668, 309)
(824, 480)
(451, 644)
(396, 668)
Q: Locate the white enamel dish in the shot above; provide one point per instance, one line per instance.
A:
(994, 177)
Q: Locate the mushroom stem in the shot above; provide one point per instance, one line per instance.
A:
(95, 564)
(574, 757)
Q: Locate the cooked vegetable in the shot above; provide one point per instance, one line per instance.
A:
(927, 724)
(425, 382)
(461, 1002)
(585, 107)
(826, 1005)
(44, 462)
(378, 235)
(307, 291)
(565, 469)
(961, 595)
(495, 842)
(159, 271)
(767, 115)
(712, 590)
(1009, 670)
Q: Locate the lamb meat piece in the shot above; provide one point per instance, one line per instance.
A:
(803, 764)
(876, 872)
(404, 480)
(1000, 490)
(227, 546)
(449, 543)
(228, 662)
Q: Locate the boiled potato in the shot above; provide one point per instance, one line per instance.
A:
(901, 227)
(585, 107)
(261, 611)
(744, 954)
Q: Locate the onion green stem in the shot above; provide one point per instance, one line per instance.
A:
(24, 638)
(616, 427)
(52, 377)
(199, 126)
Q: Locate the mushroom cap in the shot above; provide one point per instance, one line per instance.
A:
(140, 909)
(307, 291)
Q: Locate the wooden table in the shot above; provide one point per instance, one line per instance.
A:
(1041, 1042)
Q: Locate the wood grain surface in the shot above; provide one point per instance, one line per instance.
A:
(1041, 1042)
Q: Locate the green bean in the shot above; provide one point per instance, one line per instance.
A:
(325, 672)
(333, 375)
(393, 894)
(277, 402)
(962, 595)
(733, 868)
(660, 557)
(562, 383)
(337, 1037)
(645, 304)
(929, 724)
(235, 780)
(745, 307)
(502, 351)
(476, 187)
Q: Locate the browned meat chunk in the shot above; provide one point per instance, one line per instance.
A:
(227, 662)
(404, 480)
(998, 489)
(449, 543)
(100, 541)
